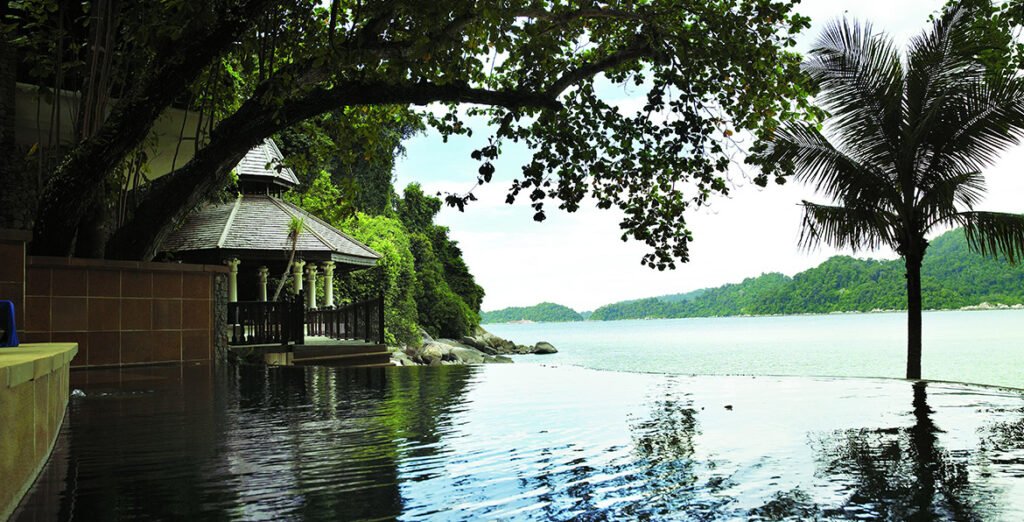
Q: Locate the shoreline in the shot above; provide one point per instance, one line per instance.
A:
(969, 308)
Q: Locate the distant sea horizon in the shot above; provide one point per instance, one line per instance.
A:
(981, 307)
(959, 345)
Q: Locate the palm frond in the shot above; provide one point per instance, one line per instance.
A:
(860, 76)
(831, 171)
(943, 196)
(941, 63)
(995, 234)
(847, 227)
(981, 122)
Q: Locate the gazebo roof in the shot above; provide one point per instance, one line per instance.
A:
(254, 166)
(256, 227)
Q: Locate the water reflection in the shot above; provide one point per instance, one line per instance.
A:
(903, 473)
(526, 442)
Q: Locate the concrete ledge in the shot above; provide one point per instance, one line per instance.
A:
(33, 399)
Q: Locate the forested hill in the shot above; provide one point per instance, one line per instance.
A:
(540, 313)
(953, 277)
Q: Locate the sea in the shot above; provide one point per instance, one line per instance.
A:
(982, 347)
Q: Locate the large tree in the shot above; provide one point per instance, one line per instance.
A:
(903, 149)
(704, 72)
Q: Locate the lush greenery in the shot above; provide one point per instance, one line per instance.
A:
(422, 276)
(525, 72)
(953, 276)
(539, 313)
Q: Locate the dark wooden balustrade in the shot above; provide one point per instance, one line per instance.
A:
(266, 322)
(362, 321)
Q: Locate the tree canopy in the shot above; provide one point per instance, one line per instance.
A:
(706, 73)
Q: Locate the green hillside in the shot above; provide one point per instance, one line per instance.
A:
(953, 277)
(540, 313)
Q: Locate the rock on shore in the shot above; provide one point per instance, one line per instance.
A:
(479, 348)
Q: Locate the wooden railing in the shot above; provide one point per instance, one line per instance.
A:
(357, 321)
(267, 322)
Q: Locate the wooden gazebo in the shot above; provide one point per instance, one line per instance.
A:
(251, 230)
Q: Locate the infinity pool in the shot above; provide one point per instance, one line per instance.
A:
(527, 442)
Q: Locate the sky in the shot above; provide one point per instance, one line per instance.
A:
(579, 260)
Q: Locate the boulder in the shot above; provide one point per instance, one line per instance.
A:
(500, 359)
(543, 348)
(432, 353)
(426, 337)
(467, 355)
(401, 359)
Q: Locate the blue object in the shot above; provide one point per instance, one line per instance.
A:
(8, 335)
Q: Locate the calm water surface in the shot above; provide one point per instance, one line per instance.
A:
(980, 347)
(526, 441)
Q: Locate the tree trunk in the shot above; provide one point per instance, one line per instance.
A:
(172, 197)
(78, 181)
(913, 263)
(8, 72)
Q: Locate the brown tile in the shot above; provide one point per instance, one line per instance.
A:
(167, 346)
(167, 314)
(14, 292)
(69, 314)
(82, 338)
(104, 283)
(195, 286)
(136, 284)
(167, 284)
(196, 314)
(37, 281)
(144, 347)
(37, 314)
(135, 347)
(104, 348)
(195, 345)
(69, 282)
(104, 314)
(136, 314)
(12, 261)
(34, 337)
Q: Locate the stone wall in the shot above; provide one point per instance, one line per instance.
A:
(33, 399)
(220, 317)
(121, 312)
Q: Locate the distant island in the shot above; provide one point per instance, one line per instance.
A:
(953, 277)
(539, 313)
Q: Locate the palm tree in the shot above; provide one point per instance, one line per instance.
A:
(295, 227)
(903, 147)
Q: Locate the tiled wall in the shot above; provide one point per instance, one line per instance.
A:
(121, 313)
(12, 270)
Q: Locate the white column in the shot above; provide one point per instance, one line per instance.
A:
(264, 275)
(297, 275)
(329, 284)
(311, 283)
(233, 280)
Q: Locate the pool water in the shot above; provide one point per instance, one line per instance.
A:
(527, 441)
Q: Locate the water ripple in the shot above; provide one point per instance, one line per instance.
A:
(528, 442)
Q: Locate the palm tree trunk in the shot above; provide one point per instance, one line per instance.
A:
(913, 262)
(284, 277)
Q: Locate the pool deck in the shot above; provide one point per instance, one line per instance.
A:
(33, 399)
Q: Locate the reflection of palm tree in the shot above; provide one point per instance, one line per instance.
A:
(909, 139)
(901, 473)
